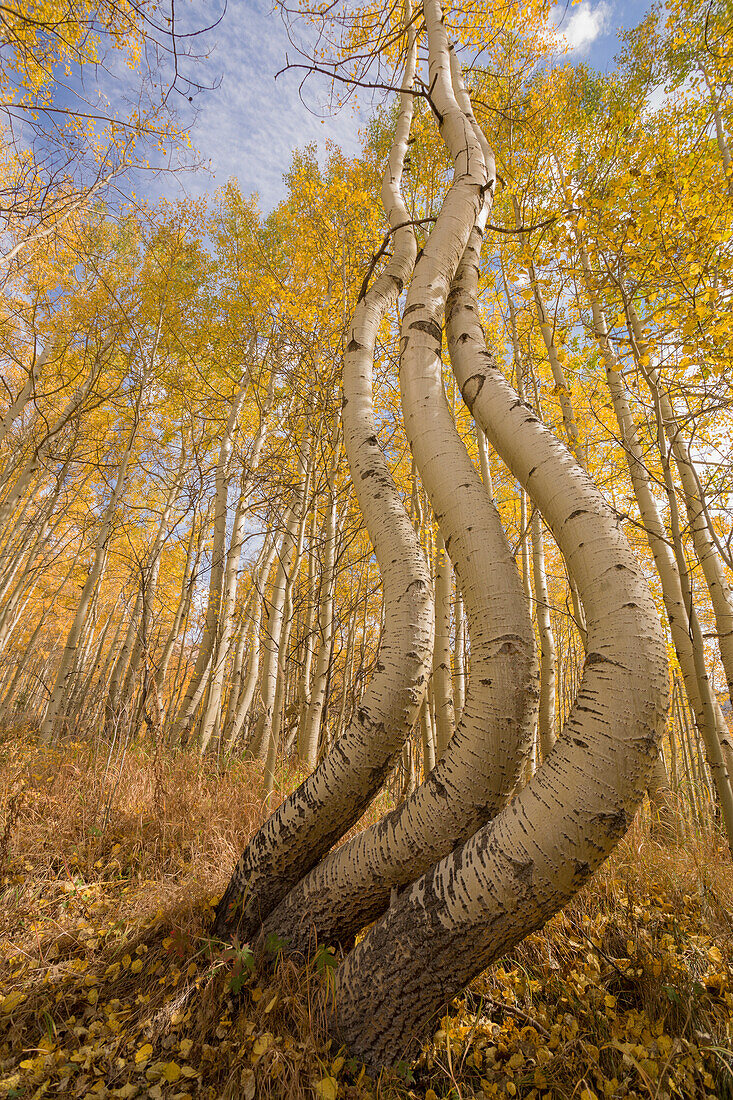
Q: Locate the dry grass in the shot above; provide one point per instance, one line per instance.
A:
(112, 985)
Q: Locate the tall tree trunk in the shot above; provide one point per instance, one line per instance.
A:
(187, 712)
(445, 719)
(328, 803)
(246, 693)
(314, 714)
(515, 872)
(67, 665)
(483, 760)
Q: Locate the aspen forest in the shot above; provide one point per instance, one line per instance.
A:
(366, 554)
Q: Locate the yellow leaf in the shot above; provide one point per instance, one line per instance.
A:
(144, 1053)
(137, 966)
(185, 1047)
(326, 1088)
(171, 1072)
(431, 1094)
(12, 1001)
(337, 1065)
(261, 1045)
(272, 1004)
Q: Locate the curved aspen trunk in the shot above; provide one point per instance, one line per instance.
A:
(328, 803)
(483, 760)
(515, 872)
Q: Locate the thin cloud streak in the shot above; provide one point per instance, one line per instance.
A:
(249, 126)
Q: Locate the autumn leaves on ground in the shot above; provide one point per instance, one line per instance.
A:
(113, 986)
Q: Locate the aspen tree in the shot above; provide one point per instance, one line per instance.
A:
(473, 905)
(314, 712)
(68, 666)
(198, 682)
(673, 584)
(242, 700)
(325, 806)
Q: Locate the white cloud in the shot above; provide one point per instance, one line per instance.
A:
(580, 30)
(251, 124)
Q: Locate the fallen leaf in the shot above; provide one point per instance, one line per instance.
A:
(326, 1088)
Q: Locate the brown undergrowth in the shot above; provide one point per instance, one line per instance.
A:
(111, 986)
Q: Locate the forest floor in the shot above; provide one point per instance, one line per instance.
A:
(111, 986)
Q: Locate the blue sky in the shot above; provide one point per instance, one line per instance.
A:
(250, 125)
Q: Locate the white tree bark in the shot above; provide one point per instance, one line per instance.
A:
(189, 706)
(518, 870)
(326, 805)
(483, 761)
(445, 719)
(67, 665)
(314, 713)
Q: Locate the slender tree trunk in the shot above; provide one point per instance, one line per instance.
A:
(314, 714)
(67, 666)
(187, 712)
(247, 692)
(442, 684)
(459, 657)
